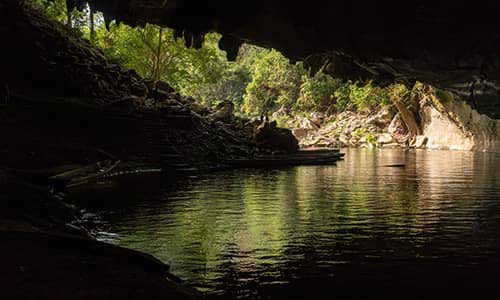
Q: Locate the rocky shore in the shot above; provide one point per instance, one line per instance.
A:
(442, 120)
(382, 128)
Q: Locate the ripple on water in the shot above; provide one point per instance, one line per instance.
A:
(246, 232)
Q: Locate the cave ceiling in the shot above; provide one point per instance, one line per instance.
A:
(451, 44)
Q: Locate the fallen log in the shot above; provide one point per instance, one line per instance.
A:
(86, 174)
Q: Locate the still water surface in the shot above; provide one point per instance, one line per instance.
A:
(359, 226)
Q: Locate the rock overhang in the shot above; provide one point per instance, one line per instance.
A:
(450, 44)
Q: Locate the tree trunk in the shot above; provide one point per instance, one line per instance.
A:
(70, 5)
(69, 19)
(92, 26)
(407, 117)
(158, 56)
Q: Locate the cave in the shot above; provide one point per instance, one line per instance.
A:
(114, 185)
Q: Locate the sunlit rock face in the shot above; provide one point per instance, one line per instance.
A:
(450, 44)
(450, 123)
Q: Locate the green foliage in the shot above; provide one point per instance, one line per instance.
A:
(275, 82)
(202, 73)
(360, 97)
(53, 9)
(398, 92)
(260, 81)
(317, 92)
(359, 133)
(283, 121)
(371, 138)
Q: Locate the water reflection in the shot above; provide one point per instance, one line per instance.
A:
(252, 234)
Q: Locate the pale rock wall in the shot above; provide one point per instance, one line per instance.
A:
(450, 123)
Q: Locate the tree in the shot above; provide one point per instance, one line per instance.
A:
(259, 81)
(54, 9)
(400, 96)
(275, 82)
(317, 92)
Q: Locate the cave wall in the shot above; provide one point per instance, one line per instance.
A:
(41, 56)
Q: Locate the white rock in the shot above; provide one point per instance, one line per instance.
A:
(343, 139)
(397, 123)
(385, 138)
(317, 118)
(307, 124)
(420, 141)
(385, 115)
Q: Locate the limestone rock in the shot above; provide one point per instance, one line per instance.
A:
(385, 115)
(299, 133)
(385, 138)
(317, 118)
(381, 119)
(307, 124)
(163, 86)
(391, 145)
(397, 125)
(223, 112)
(282, 112)
(344, 140)
(420, 141)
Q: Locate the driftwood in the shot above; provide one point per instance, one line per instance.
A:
(86, 174)
(48, 172)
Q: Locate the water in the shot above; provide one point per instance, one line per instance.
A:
(431, 227)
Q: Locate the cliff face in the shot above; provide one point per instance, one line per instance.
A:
(449, 44)
(450, 123)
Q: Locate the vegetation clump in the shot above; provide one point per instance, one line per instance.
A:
(259, 81)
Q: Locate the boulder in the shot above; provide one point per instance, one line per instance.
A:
(391, 145)
(223, 112)
(397, 125)
(385, 115)
(381, 119)
(385, 138)
(158, 95)
(307, 124)
(354, 142)
(420, 141)
(163, 86)
(268, 135)
(139, 89)
(344, 140)
(199, 109)
(282, 112)
(317, 118)
(299, 133)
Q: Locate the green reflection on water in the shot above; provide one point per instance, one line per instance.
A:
(268, 226)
